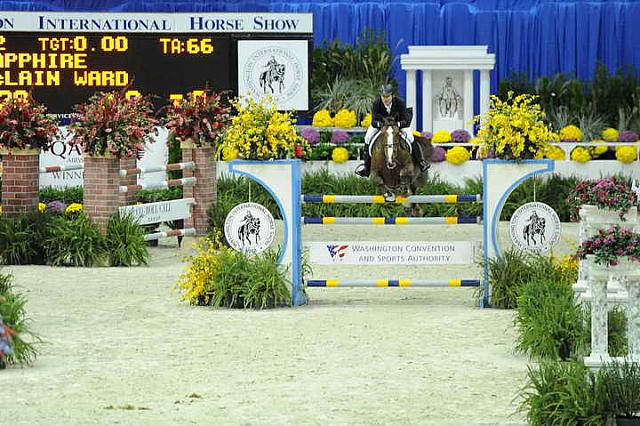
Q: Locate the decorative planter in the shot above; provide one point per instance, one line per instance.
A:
(599, 276)
(20, 180)
(101, 196)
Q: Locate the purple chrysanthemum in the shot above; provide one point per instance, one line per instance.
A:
(56, 207)
(627, 136)
(437, 155)
(428, 135)
(339, 136)
(460, 136)
(311, 134)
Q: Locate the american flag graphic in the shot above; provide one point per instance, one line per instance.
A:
(337, 252)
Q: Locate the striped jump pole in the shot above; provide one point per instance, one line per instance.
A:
(167, 234)
(393, 283)
(446, 220)
(163, 184)
(189, 165)
(379, 199)
(63, 168)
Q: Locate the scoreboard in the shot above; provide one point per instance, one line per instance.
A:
(63, 58)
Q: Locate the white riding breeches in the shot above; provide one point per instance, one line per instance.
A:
(407, 134)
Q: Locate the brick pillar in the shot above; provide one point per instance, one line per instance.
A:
(20, 181)
(128, 198)
(204, 191)
(101, 181)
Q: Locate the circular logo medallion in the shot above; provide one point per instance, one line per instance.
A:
(273, 71)
(535, 227)
(249, 228)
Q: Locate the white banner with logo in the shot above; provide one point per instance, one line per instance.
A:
(393, 252)
(277, 68)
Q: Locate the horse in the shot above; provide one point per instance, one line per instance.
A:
(393, 168)
(535, 226)
(250, 226)
(275, 74)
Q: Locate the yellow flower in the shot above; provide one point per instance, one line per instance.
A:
(570, 133)
(366, 121)
(72, 208)
(322, 118)
(344, 118)
(554, 153)
(339, 154)
(580, 155)
(441, 136)
(416, 133)
(626, 154)
(42, 207)
(475, 140)
(457, 155)
(229, 153)
(598, 150)
(610, 134)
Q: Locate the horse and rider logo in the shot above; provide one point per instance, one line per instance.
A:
(250, 228)
(535, 227)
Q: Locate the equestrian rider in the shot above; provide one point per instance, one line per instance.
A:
(389, 105)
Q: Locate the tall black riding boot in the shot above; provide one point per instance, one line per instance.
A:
(418, 156)
(364, 170)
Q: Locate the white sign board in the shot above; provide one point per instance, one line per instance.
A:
(393, 252)
(162, 211)
(276, 68)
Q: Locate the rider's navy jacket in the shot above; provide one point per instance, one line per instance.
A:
(398, 111)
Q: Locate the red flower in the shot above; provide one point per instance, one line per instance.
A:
(298, 151)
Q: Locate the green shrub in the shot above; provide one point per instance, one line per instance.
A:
(125, 244)
(620, 385)
(66, 195)
(146, 196)
(23, 238)
(75, 242)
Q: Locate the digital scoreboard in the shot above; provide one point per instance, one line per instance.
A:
(63, 58)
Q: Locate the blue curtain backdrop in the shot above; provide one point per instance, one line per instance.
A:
(539, 37)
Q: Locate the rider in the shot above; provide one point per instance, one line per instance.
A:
(388, 105)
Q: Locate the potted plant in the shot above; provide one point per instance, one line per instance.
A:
(514, 129)
(112, 124)
(613, 196)
(198, 119)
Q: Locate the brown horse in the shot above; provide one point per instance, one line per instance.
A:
(393, 168)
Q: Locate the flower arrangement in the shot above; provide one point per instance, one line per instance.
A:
(229, 153)
(610, 134)
(24, 124)
(427, 135)
(438, 154)
(111, 123)
(514, 129)
(580, 154)
(322, 118)
(366, 121)
(457, 155)
(200, 118)
(441, 136)
(608, 245)
(340, 154)
(570, 133)
(339, 136)
(608, 193)
(311, 135)
(260, 132)
(73, 208)
(628, 136)
(597, 150)
(344, 118)
(626, 154)
(555, 153)
(460, 136)
(5, 342)
(56, 207)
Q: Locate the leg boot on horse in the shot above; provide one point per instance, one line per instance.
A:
(418, 156)
(364, 170)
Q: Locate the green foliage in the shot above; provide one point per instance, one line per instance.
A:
(68, 196)
(145, 196)
(75, 242)
(22, 239)
(620, 384)
(125, 244)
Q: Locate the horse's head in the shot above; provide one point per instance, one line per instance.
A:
(391, 163)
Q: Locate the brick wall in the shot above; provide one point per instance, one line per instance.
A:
(205, 191)
(20, 180)
(101, 181)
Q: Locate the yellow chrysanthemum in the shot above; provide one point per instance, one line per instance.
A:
(457, 155)
(570, 133)
(42, 207)
(229, 153)
(416, 133)
(626, 154)
(73, 208)
(441, 136)
(339, 154)
(366, 121)
(597, 151)
(322, 118)
(610, 134)
(345, 119)
(475, 140)
(555, 153)
(580, 155)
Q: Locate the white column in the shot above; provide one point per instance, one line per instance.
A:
(468, 101)
(411, 95)
(485, 88)
(633, 318)
(427, 101)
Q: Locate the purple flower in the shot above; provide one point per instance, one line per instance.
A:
(427, 135)
(569, 140)
(460, 136)
(56, 207)
(311, 134)
(339, 136)
(628, 136)
(437, 155)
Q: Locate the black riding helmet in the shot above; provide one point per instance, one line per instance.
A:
(386, 90)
